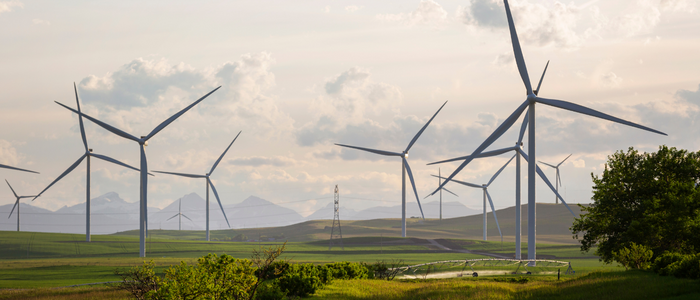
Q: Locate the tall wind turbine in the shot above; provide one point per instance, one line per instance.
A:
(16, 203)
(404, 169)
(143, 142)
(209, 183)
(529, 103)
(557, 179)
(180, 215)
(88, 153)
(441, 189)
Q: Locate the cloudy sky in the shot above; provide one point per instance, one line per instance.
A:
(298, 76)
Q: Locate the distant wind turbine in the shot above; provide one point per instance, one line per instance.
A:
(88, 153)
(143, 142)
(209, 183)
(405, 168)
(557, 179)
(16, 203)
(529, 103)
(441, 189)
(180, 215)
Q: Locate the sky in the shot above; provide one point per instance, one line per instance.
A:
(299, 76)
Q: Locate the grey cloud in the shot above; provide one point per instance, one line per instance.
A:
(256, 161)
(354, 76)
(690, 96)
(484, 13)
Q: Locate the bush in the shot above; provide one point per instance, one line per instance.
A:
(386, 271)
(348, 270)
(634, 257)
(300, 280)
(662, 264)
(139, 281)
(270, 291)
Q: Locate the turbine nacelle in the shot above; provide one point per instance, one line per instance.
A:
(143, 140)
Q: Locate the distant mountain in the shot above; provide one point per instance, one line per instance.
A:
(326, 213)
(257, 212)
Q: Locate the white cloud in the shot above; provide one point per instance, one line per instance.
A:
(610, 80)
(353, 8)
(8, 154)
(8, 6)
(327, 9)
(428, 13)
(644, 16)
(678, 5)
(41, 22)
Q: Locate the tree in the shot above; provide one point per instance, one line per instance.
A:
(650, 199)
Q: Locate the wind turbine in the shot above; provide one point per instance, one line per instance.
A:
(446, 190)
(16, 203)
(209, 183)
(143, 142)
(485, 187)
(180, 215)
(88, 153)
(529, 103)
(404, 169)
(557, 179)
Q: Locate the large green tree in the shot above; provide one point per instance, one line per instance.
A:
(650, 199)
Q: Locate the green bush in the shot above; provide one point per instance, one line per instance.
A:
(348, 270)
(662, 264)
(300, 280)
(634, 256)
(270, 290)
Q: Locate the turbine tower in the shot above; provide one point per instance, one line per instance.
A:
(88, 153)
(529, 103)
(557, 179)
(16, 203)
(405, 168)
(441, 189)
(180, 215)
(209, 184)
(143, 142)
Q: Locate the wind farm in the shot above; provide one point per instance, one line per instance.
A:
(331, 96)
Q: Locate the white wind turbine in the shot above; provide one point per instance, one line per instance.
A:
(557, 179)
(88, 153)
(143, 142)
(209, 183)
(529, 103)
(180, 215)
(16, 203)
(405, 168)
(441, 189)
(486, 195)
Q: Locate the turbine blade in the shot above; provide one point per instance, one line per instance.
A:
(413, 185)
(537, 91)
(182, 174)
(493, 209)
(415, 138)
(523, 128)
(380, 152)
(172, 217)
(544, 163)
(558, 177)
(114, 161)
(70, 169)
(80, 118)
(24, 197)
(519, 59)
(104, 125)
(13, 207)
(18, 169)
(591, 112)
(483, 154)
(219, 200)
(544, 178)
(446, 190)
(13, 190)
(462, 183)
(499, 171)
(177, 115)
(222, 154)
(188, 218)
(492, 138)
(565, 159)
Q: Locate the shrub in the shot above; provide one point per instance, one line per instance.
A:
(662, 264)
(634, 257)
(300, 280)
(139, 281)
(386, 271)
(348, 270)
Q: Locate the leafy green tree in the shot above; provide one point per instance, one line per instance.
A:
(634, 257)
(651, 199)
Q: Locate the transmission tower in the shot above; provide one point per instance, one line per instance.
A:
(336, 220)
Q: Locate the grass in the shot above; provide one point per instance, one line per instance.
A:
(595, 285)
